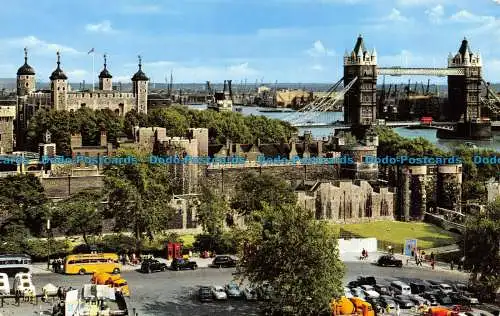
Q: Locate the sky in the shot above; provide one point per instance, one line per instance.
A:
(266, 40)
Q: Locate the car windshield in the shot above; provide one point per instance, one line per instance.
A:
(233, 286)
(26, 284)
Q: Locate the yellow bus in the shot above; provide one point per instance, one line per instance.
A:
(91, 263)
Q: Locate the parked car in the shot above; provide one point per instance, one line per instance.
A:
(358, 292)
(376, 303)
(4, 284)
(459, 287)
(417, 287)
(348, 293)
(444, 299)
(219, 293)
(382, 289)
(368, 280)
(367, 287)
(371, 294)
(467, 298)
(153, 265)
(404, 301)
(418, 300)
(250, 294)
(429, 296)
(182, 264)
(434, 285)
(205, 294)
(233, 290)
(387, 301)
(224, 262)
(445, 288)
(389, 260)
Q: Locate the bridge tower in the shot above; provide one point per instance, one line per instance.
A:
(360, 102)
(464, 104)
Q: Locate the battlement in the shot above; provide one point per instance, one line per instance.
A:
(99, 95)
(7, 111)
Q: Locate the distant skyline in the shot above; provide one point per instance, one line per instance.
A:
(283, 40)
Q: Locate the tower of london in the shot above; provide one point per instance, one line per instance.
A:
(60, 96)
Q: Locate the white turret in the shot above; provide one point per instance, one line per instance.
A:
(374, 55)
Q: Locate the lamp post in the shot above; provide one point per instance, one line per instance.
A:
(48, 244)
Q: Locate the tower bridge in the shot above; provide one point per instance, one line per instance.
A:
(463, 115)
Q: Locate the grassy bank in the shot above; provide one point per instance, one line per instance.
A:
(395, 233)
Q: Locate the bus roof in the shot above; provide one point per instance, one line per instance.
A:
(15, 255)
(93, 255)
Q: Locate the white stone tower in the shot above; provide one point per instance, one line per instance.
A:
(140, 89)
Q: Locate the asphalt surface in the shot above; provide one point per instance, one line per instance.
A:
(174, 292)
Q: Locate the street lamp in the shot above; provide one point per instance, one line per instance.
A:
(48, 244)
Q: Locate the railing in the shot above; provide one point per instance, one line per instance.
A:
(438, 72)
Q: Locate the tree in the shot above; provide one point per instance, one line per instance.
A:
(133, 119)
(137, 194)
(81, 214)
(212, 212)
(254, 190)
(483, 258)
(297, 255)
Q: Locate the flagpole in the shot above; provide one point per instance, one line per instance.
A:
(93, 69)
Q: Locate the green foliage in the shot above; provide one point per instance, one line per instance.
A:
(81, 214)
(255, 190)
(137, 194)
(175, 123)
(133, 119)
(61, 124)
(22, 204)
(212, 211)
(483, 258)
(227, 242)
(119, 243)
(38, 248)
(297, 255)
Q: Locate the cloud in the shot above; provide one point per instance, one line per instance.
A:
(102, 27)
(396, 16)
(241, 70)
(317, 67)
(319, 50)
(122, 79)
(496, 1)
(77, 73)
(36, 45)
(436, 13)
(468, 17)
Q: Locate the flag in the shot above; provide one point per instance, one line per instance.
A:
(91, 51)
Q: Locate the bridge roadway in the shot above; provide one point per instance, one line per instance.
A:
(389, 124)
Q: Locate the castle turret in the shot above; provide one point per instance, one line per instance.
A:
(140, 89)
(59, 86)
(25, 77)
(105, 82)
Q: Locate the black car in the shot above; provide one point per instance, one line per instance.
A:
(443, 299)
(404, 301)
(181, 264)
(382, 289)
(376, 303)
(205, 294)
(464, 298)
(386, 300)
(224, 262)
(152, 265)
(431, 298)
(369, 280)
(417, 287)
(389, 260)
(433, 284)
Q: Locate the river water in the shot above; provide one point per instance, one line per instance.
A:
(328, 117)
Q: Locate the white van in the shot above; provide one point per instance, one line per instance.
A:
(23, 283)
(401, 288)
(4, 284)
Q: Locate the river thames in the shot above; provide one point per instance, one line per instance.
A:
(328, 117)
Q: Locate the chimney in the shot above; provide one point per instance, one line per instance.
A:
(230, 89)
(76, 140)
(104, 139)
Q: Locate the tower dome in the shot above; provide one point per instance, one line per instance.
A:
(26, 70)
(58, 74)
(105, 73)
(140, 75)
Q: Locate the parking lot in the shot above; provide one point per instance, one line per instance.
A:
(174, 292)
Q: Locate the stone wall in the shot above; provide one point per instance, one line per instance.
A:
(65, 186)
(225, 179)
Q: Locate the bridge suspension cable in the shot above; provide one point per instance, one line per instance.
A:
(323, 106)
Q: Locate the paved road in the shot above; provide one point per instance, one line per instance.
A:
(173, 293)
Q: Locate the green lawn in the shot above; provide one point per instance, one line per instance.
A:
(395, 233)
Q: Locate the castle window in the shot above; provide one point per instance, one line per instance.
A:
(117, 112)
(64, 88)
(58, 88)
(27, 84)
(83, 105)
(0, 137)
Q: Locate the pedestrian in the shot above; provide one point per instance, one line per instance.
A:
(398, 311)
(432, 256)
(432, 264)
(451, 265)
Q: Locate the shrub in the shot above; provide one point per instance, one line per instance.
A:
(225, 243)
(38, 248)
